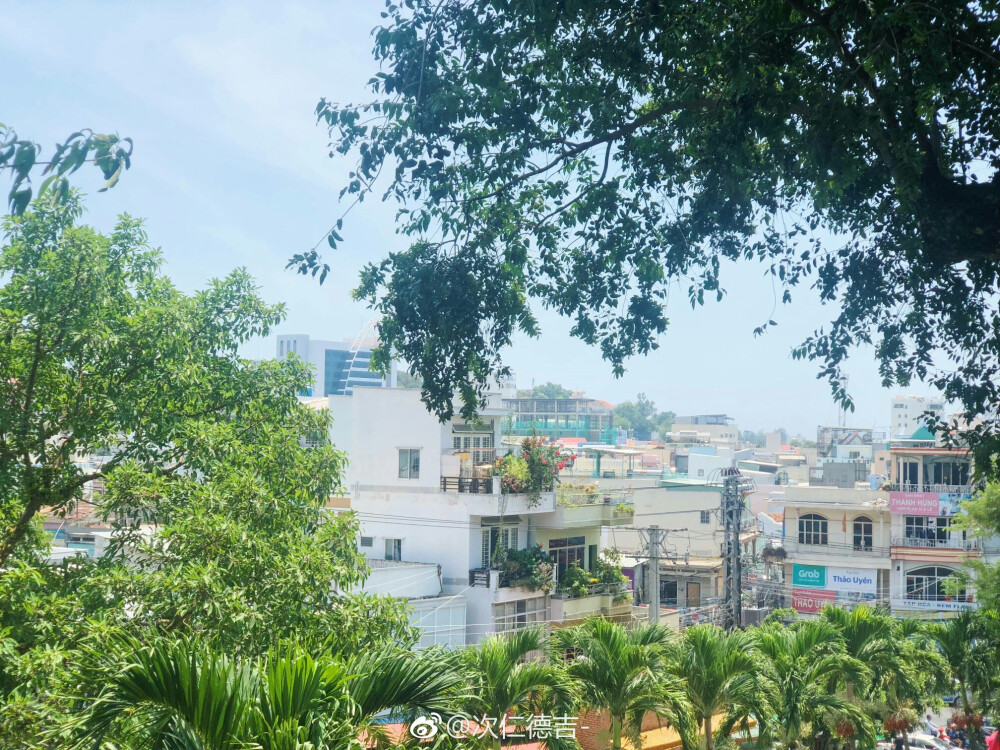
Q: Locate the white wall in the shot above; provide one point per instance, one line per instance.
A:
(381, 421)
(703, 466)
(671, 508)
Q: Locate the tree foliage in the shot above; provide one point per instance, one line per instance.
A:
(109, 153)
(642, 417)
(590, 154)
(101, 355)
(546, 390)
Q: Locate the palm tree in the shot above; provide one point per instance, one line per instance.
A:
(806, 659)
(505, 681)
(970, 667)
(182, 694)
(725, 674)
(627, 674)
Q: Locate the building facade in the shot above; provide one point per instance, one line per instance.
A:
(338, 366)
(556, 418)
(908, 414)
(423, 494)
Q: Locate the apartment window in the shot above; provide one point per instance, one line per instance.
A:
(813, 529)
(476, 442)
(928, 584)
(393, 549)
(565, 552)
(367, 541)
(706, 516)
(668, 593)
(409, 463)
(493, 538)
(929, 531)
(466, 443)
(863, 533)
(519, 614)
(456, 442)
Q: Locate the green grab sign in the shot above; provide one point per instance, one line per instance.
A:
(809, 576)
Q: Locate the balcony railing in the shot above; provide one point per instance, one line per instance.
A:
(479, 577)
(951, 542)
(950, 489)
(469, 485)
(596, 589)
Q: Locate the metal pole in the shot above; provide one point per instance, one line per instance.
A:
(654, 575)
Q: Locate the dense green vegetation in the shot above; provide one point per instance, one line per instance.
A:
(588, 156)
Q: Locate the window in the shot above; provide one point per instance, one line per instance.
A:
(564, 552)
(706, 516)
(813, 529)
(456, 442)
(668, 593)
(519, 614)
(409, 463)
(367, 541)
(863, 536)
(928, 584)
(930, 531)
(394, 549)
(494, 537)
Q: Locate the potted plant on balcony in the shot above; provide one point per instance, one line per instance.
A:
(528, 568)
(575, 582)
(533, 472)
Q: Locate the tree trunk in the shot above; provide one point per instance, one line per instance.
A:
(709, 740)
(20, 529)
(906, 739)
(616, 732)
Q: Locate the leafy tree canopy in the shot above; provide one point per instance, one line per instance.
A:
(546, 390)
(111, 154)
(642, 417)
(589, 154)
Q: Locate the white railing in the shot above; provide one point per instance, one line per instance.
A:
(953, 541)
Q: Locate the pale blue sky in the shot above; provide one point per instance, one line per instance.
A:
(231, 170)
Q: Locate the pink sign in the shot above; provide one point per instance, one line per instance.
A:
(914, 503)
(812, 600)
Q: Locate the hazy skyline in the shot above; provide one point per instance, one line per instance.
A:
(231, 170)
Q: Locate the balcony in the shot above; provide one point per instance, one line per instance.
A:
(953, 541)
(795, 549)
(469, 485)
(947, 489)
(600, 601)
(589, 515)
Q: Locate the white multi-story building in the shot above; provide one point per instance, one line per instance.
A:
(423, 494)
(908, 414)
(338, 366)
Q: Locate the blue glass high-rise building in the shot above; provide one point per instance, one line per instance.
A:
(339, 366)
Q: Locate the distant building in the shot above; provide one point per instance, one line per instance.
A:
(556, 418)
(339, 366)
(704, 429)
(907, 414)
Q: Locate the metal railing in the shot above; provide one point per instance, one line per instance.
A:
(949, 489)
(596, 589)
(469, 485)
(950, 542)
(479, 577)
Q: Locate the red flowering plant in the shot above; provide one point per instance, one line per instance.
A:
(533, 472)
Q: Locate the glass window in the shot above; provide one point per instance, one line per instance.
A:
(564, 552)
(706, 516)
(494, 537)
(409, 463)
(863, 533)
(519, 614)
(367, 541)
(928, 584)
(813, 529)
(456, 442)
(393, 549)
(668, 593)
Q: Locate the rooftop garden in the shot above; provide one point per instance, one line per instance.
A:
(534, 471)
(606, 578)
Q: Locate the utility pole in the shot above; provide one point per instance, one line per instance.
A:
(653, 550)
(653, 575)
(735, 488)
